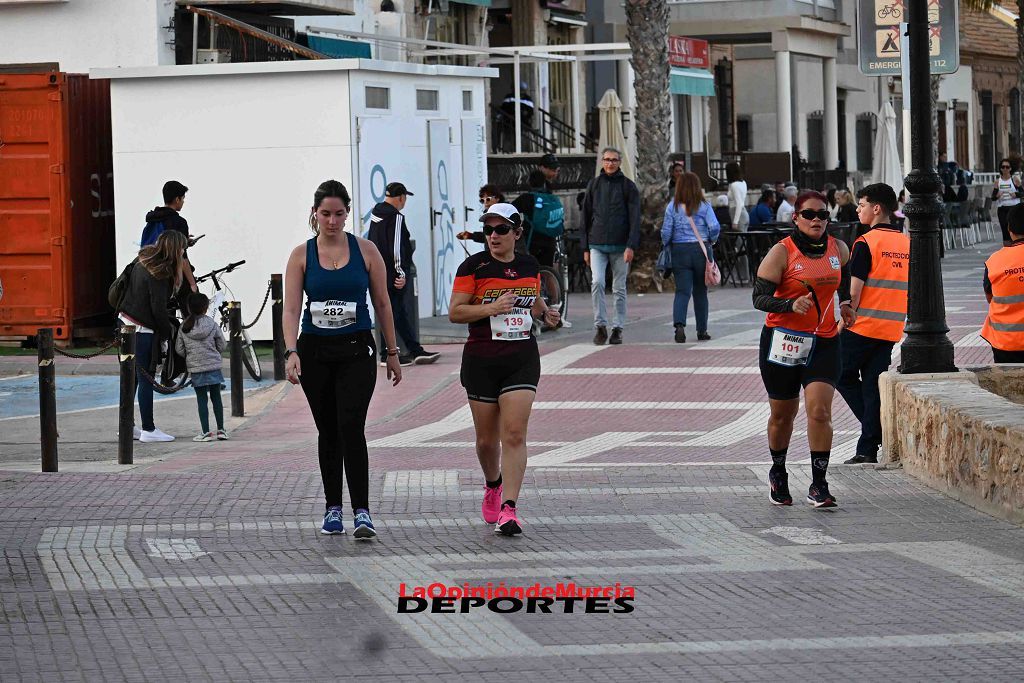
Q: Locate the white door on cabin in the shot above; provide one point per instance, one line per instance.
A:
(384, 157)
(443, 198)
(474, 175)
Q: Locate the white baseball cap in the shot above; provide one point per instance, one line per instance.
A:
(505, 212)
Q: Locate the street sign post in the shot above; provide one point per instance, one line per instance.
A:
(879, 42)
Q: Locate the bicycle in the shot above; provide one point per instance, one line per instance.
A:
(219, 301)
(889, 10)
(554, 283)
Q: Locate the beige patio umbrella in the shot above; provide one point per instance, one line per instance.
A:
(611, 131)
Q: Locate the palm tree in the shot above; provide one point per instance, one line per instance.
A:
(647, 33)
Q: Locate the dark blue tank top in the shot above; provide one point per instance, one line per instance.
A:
(335, 299)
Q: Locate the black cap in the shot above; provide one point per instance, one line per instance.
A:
(396, 190)
(549, 160)
(172, 190)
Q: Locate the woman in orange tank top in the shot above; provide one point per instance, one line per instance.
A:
(796, 285)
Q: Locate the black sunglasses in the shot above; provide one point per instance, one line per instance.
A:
(1005, 166)
(500, 229)
(811, 214)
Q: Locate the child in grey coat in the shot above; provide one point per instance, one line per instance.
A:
(201, 342)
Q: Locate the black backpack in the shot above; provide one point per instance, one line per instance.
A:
(119, 287)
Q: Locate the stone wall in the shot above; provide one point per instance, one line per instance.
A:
(953, 433)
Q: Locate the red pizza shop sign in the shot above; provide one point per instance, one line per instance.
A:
(688, 52)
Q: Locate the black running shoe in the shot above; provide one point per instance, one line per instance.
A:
(779, 493)
(680, 334)
(819, 497)
(861, 459)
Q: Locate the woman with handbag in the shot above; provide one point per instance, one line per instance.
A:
(335, 359)
(796, 286)
(688, 233)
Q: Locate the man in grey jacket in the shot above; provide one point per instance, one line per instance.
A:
(610, 235)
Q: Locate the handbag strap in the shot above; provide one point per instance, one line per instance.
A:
(693, 226)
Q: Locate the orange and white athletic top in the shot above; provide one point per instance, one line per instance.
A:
(823, 274)
(487, 278)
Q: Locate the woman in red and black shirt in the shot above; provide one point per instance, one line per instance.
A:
(497, 293)
(796, 285)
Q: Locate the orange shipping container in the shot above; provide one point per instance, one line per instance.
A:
(56, 203)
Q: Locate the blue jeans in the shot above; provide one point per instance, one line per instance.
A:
(864, 359)
(143, 357)
(599, 262)
(688, 270)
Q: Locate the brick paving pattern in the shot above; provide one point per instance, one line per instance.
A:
(647, 467)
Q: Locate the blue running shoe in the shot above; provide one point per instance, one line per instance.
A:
(332, 521)
(364, 526)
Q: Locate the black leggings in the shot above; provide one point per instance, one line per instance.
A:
(338, 376)
(1003, 213)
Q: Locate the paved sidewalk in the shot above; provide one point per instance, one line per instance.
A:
(647, 467)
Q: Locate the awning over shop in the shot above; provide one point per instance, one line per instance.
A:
(339, 49)
(691, 82)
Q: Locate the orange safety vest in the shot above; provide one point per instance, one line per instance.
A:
(1004, 326)
(882, 311)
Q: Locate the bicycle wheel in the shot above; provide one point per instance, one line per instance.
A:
(552, 289)
(249, 359)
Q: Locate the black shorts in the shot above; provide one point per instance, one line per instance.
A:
(784, 383)
(486, 377)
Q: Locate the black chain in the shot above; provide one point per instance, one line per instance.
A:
(157, 386)
(85, 356)
(266, 298)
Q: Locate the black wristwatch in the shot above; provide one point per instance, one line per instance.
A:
(289, 352)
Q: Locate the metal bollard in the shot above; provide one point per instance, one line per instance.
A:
(47, 401)
(126, 405)
(235, 346)
(277, 314)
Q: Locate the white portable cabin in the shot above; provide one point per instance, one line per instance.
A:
(252, 141)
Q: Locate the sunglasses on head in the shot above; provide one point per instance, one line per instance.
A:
(500, 229)
(811, 214)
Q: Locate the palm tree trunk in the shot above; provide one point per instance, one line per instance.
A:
(647, 33)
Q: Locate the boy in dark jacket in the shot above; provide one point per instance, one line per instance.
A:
(168, 216)
(389, 233)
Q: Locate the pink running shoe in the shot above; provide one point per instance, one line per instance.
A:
(492, 503)
(508, 524)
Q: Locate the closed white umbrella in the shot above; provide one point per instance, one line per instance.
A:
(611, 131)
(887, 167)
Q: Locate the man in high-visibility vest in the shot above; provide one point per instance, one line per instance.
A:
(1004, 288)
(879, 268)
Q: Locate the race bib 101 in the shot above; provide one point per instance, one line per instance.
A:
(790, 348)
(512, 326)
(332, 315)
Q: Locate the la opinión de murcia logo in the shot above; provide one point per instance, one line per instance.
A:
(565, 598)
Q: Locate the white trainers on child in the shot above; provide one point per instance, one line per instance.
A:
(203, 436)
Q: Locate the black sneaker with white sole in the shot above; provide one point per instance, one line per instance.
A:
(819, 496)
(425, 357)
(778, 493)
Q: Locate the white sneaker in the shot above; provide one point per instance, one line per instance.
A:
(136, 433)
(155, 435)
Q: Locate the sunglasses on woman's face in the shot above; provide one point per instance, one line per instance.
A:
(811, 214)
(1004, 166)
(500, 229)
(484, 200)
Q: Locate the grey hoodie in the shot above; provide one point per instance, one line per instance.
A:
(201, 346)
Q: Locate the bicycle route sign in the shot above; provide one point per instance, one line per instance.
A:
(879, 32)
